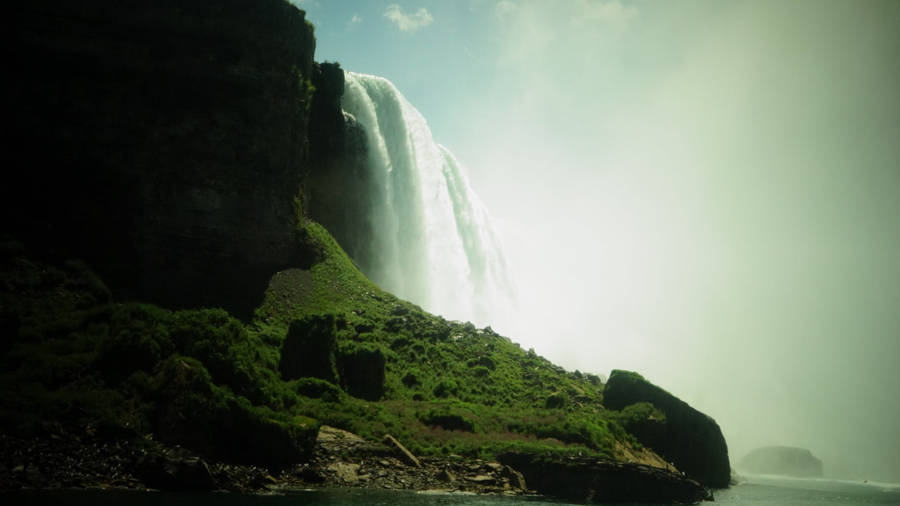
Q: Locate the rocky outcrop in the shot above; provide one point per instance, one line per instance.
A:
(162, 141)
(784, 460)
(591, 480)
(308, 350)
(686, 437)
(362, 370)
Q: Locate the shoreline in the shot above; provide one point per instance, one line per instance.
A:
(340, 460)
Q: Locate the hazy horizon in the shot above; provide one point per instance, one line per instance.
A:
(707, 192)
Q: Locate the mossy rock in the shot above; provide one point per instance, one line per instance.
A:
(362, 370)
(309, 349)
(195, 413)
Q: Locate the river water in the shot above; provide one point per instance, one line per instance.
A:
(755, 490)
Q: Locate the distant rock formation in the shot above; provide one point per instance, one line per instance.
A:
(783, 460)
(688, 438)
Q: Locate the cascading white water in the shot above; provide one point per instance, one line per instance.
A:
(434, 240)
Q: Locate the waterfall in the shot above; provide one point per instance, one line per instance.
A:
(434, 243)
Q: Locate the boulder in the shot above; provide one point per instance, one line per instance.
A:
(308, 349)
(362, 370)
(688, 438)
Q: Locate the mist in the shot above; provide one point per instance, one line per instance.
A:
(704, 192)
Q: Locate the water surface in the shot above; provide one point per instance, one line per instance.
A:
(754, 490)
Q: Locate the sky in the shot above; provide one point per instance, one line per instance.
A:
(707, 192)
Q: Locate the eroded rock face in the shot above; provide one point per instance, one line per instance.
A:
(590, 480)
(688, 438)
(784, 460)
(161, 141)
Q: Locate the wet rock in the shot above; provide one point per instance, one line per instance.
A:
(515, 478)
(447, 476)
(345, 472)
(311, 475)
(590, 480)
(175, 470)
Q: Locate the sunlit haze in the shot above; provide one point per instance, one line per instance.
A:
(707, 192)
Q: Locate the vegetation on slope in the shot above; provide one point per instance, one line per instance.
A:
(324, 346)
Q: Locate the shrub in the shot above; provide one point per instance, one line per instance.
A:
(555, 401)
(445, 388)
(315, 388)
(447, 420)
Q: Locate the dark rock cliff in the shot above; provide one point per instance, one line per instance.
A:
(339, 185)
(162, 141)
(688, 438)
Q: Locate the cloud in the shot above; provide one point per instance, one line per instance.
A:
(610, 13)
(408, 22)
(355, 20)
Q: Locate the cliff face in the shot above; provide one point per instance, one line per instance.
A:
(339, 184)
(163, 142)
(686, 437)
